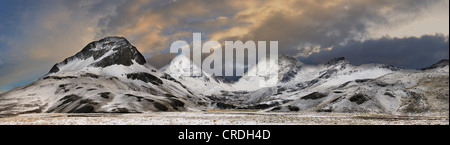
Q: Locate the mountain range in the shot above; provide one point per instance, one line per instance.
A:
(112, 76)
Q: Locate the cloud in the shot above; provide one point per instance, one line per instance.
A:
(300, 25)
(429, 20)
(41, 39)
(410, 52)
(153, 25)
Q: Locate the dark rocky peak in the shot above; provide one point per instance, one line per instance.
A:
(222, 79)
(391, 67)
(107, 43)
(443, 62)
(286, 58)
(106, 52)
(339, 60)
(440, 64)
(289, 67)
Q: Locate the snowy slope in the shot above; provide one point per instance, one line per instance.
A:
(294, 74)
(181, 68)
(269, 73)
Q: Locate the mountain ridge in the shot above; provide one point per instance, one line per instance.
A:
(440, 64)
(112, 76)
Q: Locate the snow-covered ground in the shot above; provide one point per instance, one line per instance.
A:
(222, 118)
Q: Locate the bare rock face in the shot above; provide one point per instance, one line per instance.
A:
(338, 60)
(439, 64)
(110, 51)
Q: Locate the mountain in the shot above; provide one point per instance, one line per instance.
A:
(339, 86)
(296, 75)
(103, 53)
(112, 76)
(398, 92)
(439, 64)
(109, 75)
(182, 66)
(338, 60)
(270, 72)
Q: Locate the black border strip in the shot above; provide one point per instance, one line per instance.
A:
(285, 133)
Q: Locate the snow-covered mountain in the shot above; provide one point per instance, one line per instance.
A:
(339, 86)
(109, 75)
(181, 67)
(270, 72)
(398, 92)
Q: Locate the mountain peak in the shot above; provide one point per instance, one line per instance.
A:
(283, 57)
(337, 61)
(181, 65)
(182, 57)
(105, 52)
(110, 42)
(444, 61)
(440, 64)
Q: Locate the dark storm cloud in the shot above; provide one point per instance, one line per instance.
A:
(301, 27)
(301, 24)
(411, 52)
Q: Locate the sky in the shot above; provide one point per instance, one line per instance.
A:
(36, 34)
